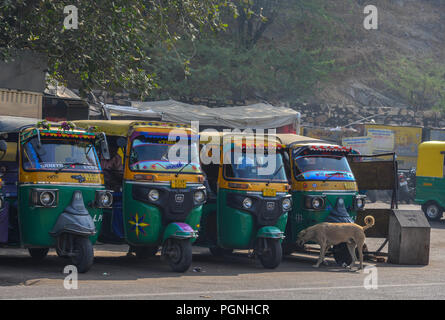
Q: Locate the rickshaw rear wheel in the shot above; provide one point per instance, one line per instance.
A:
(178, 254)
(38, 253)
(270, 253)
(432, 211)
(83, 254)
(219, 252)
(144, 252)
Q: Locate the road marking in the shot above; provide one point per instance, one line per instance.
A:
(164, 294)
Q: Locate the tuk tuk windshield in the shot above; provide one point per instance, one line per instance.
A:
(255, 166)
(59, 154)
(323, 167)
(146, 154)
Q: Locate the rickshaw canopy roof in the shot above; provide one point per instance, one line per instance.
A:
(430, 159)
(122, 127)
(290, 140)
(249, 140)
(10, 124)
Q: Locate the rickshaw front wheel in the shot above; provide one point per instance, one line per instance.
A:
(83, 254)
(270, 252)
(342, 255)
(178, 253)
(38, 253)
(432, 211)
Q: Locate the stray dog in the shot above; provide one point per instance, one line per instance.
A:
(327, 234)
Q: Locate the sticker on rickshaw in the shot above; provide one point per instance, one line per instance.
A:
(350, 185)
(179, 184)
(138, 224)
(268, 192)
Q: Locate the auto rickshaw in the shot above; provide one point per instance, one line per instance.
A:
(323, 188)
(247, 208)
(54, 189)
(430, 181)
(162, 198)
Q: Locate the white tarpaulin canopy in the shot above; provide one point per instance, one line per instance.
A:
(258, 116)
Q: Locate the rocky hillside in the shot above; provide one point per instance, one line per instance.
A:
(398, 65)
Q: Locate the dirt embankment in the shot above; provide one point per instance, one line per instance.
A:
(411, 30)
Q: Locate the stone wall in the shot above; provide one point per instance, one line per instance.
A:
(324, 115)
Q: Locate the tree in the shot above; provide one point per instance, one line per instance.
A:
(257, 58)
(107, 49)
(254, 16)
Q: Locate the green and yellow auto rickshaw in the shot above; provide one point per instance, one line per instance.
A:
(162, 197)
(430, 179)
(248, 205)
(54, 190)
(323, 188)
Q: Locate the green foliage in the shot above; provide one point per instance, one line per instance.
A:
(420, 84)
(225, 71)
(107, 50)
(253, 58)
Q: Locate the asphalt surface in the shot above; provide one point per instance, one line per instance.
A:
(115, 275)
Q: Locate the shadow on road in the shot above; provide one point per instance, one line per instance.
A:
(21, 269)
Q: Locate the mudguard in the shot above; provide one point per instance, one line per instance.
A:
(179, 230)
(75, 219)
(339, 214)
(270, 232)
(82, 225)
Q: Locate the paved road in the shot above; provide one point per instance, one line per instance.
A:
(116, 276)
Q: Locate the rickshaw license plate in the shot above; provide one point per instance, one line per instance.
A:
(179, 184)
(269, 192)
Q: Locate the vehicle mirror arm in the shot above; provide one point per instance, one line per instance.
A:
(105, 151)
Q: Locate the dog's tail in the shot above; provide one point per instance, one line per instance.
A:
(369, 222)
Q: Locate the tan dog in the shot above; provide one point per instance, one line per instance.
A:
(327, 234)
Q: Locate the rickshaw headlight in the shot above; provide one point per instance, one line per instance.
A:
(153, 195)
(360, 203)
(199, 196)
(106, 199)
(287, 204)
(44, 197)
(47, 198)
(103, 199)
(247, 203)
(317, 203)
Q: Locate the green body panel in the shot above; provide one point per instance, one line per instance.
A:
(36, 223)
(301, 218)
(433, 192)
(152, 230)
(235, 228)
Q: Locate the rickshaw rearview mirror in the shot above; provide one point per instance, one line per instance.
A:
(286, 156)
(37, 145)
(3, 146)
(105, 151)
